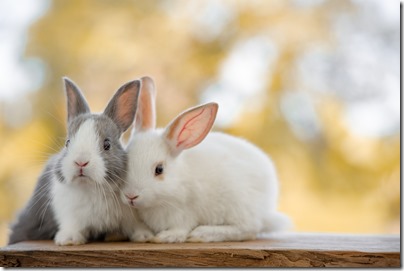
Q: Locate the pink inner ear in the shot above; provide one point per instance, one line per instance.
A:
(194, 129)
(124, 112)
(190, 127)
(145, 118)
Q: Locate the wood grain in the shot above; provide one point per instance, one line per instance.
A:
(276, 250)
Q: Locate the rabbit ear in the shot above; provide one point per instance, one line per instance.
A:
(122, 107)
(190, 127)
(146, 114)
(76, 103)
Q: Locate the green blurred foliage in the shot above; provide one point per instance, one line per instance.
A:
(337, 182)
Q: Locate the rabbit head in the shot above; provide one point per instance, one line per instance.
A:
(155, 170)
(93, 153)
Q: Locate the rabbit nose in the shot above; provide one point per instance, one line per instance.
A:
(131, 196)
(82, 164)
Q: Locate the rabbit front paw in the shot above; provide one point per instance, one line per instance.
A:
(201, 235)
(142, 236)
(170, 236)
(68, 239)
(221, 233)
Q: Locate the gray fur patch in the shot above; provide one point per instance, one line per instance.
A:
(36, 221)
(115, 158)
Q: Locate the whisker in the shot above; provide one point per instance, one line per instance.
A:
(38, 195)
(115, 200)
(49, 202)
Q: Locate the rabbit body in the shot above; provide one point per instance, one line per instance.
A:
(83, 181)
(191, 185)
(92, 169)
(86, 205)
(89, 205)
(224, 189)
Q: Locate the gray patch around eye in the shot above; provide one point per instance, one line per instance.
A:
(106, 128)
(115, 158)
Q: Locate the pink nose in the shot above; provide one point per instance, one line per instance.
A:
(82, 164)
(131, 196)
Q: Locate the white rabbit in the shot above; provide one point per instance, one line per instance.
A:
(186, 187)
(87, 175)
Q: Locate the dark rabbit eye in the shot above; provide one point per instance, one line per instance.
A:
(107, 144)
(159, 170)
(67, 143)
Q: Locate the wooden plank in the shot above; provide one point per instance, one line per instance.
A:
(276, 250)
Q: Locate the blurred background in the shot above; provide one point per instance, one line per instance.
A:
(314, 83)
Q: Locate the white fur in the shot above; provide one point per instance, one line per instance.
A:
(224, 189)
(84, 204)
(83, 147)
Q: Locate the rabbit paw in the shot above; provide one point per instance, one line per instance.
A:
(200, 235)
(219, 234)
(142, 236)
(170, 236)
(68, 239)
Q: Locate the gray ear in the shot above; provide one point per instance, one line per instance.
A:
(76, 103)
(122, 107)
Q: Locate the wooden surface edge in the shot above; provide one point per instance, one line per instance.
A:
(201, 258)
(290, 250)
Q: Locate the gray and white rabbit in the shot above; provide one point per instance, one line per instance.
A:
(190, 184)
(83, 181)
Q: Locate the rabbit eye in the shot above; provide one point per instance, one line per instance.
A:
(107, 144)
(159, 170)
(67, 143)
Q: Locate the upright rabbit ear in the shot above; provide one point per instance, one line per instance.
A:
(76, 103)
(190, 127)
(122, 107)
(146, 114)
